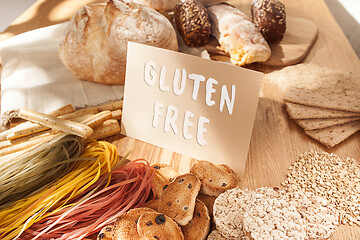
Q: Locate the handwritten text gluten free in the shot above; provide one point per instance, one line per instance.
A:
(178, 86)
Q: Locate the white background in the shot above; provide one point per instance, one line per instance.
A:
(346, 12)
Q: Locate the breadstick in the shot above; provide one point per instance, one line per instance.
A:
(107, 129)
(117, 114)
(64, 125)
(8, 143)
(25, 145)
(79, 113)
(98, 119)
(111, 106)
(27, 128)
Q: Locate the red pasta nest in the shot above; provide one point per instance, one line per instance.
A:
(130, 187)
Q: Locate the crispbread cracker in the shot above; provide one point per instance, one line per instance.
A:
(332, 136)
(299, 111)
(313, 124)
(333, 91)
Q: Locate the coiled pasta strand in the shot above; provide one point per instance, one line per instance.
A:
(97, 159)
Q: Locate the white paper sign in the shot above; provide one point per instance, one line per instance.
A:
(193, 106)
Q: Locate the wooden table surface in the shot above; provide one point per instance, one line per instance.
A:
(276, 140)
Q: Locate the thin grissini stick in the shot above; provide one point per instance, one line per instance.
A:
(82, 118)
(116, 114)
(66, 112)
(25, 145)
(16, 122)
(98, 119)
(9, 143)
(107, 129)
(28, 128)
(64, 125)
(79, 113)
(110, 106)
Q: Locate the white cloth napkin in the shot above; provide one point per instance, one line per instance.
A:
(33, 75)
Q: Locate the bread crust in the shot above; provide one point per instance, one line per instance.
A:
(95, 43)
(159, 5)
(237, 35)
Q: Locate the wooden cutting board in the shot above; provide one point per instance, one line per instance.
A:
(299, 37)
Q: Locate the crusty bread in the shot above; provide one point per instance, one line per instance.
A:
(166, 5)
(154, 225)
(178, 199)
(159, 5)
(237, 35)
(192, 22)
(164, 174)
(270, 18)
(106, 233)
(95, 43)
(153, 204)
(214, 180)
(125, 227)
(199, 226)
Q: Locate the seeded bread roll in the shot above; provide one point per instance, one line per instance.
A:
(193, 23)
(154, 225)
(95, 43)
(270, 18)
(178, 199)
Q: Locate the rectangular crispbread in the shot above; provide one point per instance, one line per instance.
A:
(299, 111)
(334, 135)
(319, 123)
(340, 93)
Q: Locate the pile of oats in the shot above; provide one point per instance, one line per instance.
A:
(327, 176)
(272, 213)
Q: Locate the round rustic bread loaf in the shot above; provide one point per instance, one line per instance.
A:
(270, 18)
(159, 5)
(95, 43)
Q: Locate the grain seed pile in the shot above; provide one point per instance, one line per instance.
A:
(326, 175)
(272, 213)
